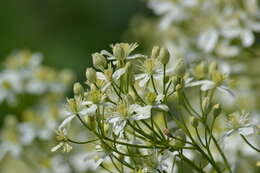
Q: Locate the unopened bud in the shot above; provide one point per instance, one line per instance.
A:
(78, 89)
(119, 52)
(180, 68)
(216, 110)
(99, 61)
(205, 103)
(164, 56)
(194, 121)
(91, 75)
(155, 52)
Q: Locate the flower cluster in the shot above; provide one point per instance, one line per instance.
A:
(31, 103)
(142, 117)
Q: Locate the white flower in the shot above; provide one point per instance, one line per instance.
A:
(240, 122)
(77, 106)
(123, 112)
(10, 86)
(157, 161)
(150, 67)
(126, 49)
(61, 137)
(108, 76)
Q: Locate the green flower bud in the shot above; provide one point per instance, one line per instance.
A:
(78, 89)
(194, 121)
(216, 110)
(205, 103)
(119, 52)
(99, 61)
(180, 68)
(155, 52)
(164, 56)
(91, 75)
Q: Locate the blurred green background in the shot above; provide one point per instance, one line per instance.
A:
(66, 32)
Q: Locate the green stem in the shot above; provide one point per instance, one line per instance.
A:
(253, 147)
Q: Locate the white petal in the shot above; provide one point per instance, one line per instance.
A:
(197, 83)
(226, 90)
(113, 119)
(118, 73)
(136, 56)
(98, 162)
(66, 121)
(119, 126)
(207, 86)
(104, 52)
(246, 130)
(142, 113)
(106, 86)
(90, 110)
(101, 76)
(57, 147)
(140, 76)
(163, 107)
(144, 81)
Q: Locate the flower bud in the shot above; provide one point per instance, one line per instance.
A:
(164, 56)
(99, 61)
(119, 52)
(180, 68)
(194, 121)
(216, 110)
(155, 52)
(205, 103)
(91, 75)
(78, 89)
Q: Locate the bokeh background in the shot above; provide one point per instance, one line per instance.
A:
(65, 32)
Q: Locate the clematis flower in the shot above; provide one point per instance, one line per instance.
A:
(239, 122)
